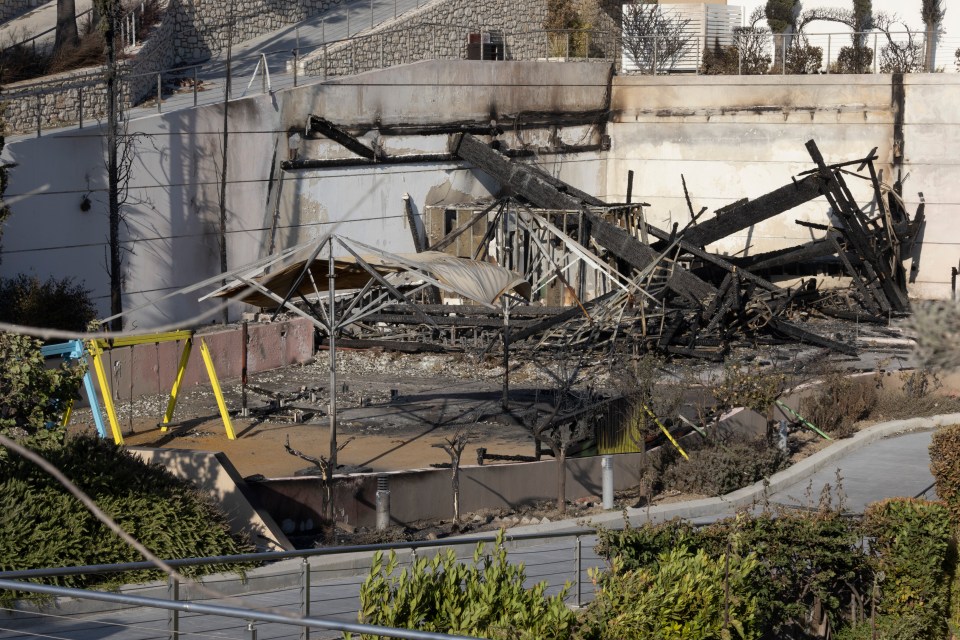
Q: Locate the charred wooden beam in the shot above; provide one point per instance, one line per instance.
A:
(518, 177)
(341, 137)
(792, 255)
(742, 214)
(798, 333)
(860, 238)
(622, 245)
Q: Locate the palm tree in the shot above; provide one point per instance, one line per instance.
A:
(932, 13)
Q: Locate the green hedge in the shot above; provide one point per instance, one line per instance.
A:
(45, 526)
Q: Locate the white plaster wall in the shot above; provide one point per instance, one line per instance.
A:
(170, 238)
(735, 137)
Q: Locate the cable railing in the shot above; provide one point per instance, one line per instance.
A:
(311, 589)
(761, 52)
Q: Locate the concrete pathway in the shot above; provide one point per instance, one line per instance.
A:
(883, 461)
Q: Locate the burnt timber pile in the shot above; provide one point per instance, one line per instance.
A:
(601, 274)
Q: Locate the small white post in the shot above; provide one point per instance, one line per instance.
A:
(606, 464)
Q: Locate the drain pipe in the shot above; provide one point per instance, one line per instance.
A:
(606, 464)
(383, 504)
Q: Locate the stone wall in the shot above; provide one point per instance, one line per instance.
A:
(439, 31)
(10, 9)
(81, 95)
(201, 25)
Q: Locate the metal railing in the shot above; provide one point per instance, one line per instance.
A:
(303, 592)
(867, 52)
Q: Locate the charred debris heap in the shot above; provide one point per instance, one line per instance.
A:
(601, 273)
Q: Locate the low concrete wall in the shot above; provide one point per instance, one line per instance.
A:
(217, 478)
(149, 369)
(296, 503)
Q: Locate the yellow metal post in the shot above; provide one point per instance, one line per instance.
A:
(97, 352)
(175, 390)
(215, 383)
(66, 414)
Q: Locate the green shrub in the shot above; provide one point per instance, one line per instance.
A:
(31, 396)
(808, 562)
(721, 468)
(686, 595)
(633, 548)
(45, 526)
(912, 546)
(486, 599)
(945, 467)
(57, 304)
(838, 403)
(802, 58)
(854, 60)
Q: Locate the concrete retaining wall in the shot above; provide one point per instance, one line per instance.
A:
(296, 503)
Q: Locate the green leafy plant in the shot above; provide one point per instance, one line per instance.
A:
(685, 594)
(484, 599)
(47, 527)
(945, 467)
(33, 397)
(809, 562)
(913, 549)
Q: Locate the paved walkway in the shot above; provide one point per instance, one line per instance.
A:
(883, 461)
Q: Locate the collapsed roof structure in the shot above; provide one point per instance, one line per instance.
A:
(599, 272)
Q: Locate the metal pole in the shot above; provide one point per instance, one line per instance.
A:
(80, 105)
(263, 75)
(828, 51)
(876, 53)
(243, 370)
(505, 400)
(606, 464)
(783, 50)
(576, 564)
(195, 86)
(739, 61)
(305, 596)
(159, 94)
(173, 616)
(296, 63)
(371, 14)
(39, 107)
(324, 60)
(332, 331)
(251, 631)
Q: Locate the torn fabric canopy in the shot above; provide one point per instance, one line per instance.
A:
(481, 282)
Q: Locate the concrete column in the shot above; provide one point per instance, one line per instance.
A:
(383, 504)
(606, 464)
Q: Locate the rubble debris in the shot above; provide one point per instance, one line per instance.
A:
(602, 276)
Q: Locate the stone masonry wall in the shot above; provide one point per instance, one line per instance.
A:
(201, 25)
(72, 96)
(440, 30)
(10, 9)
